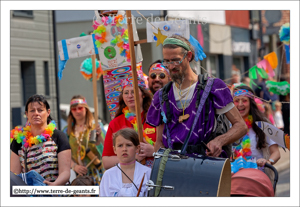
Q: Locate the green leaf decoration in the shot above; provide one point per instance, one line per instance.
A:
(279, 88)
(262, 73)
(252, 72)
(82, 34)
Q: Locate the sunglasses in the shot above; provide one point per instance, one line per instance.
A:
(79, 108)
(161, 75)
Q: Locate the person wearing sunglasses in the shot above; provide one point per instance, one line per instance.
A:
(181, 108)
(125, 117)
(159, 76)
(79, 129)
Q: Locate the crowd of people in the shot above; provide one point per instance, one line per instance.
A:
(180, 106)
(276, 112)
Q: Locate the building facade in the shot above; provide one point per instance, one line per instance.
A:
(32, 61)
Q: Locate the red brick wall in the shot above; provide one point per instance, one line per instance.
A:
(237, 18)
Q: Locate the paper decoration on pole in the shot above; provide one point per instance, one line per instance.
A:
(160, 38)
(86, 69)
(167, 28)
(274, 134)
(112, 41)
(82, 34)
(61, 67)
(112, 80)
(199, 54)
(287, 53)
(253, 74)
(75, 48)
(284, 33)
(264, 64)
(264, 68)
(272, 59)
(279, 88)
(284, 36)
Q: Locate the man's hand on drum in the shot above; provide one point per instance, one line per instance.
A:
(146, 149)
(215, 148)
(80, 170)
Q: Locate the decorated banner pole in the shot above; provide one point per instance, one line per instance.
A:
(95, 90)
(134, 75)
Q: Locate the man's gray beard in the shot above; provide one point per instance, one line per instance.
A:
(178, 78)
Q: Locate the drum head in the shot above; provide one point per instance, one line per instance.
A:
(225, 180)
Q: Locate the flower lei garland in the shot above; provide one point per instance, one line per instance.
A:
(244, 148)
(23, 135)
(120, 40)
(132, 119)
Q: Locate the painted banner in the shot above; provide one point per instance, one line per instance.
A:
(77, 47)
(112, 80)
(168, 28)
(111, 35)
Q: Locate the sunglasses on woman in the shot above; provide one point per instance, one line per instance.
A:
(79, 108)
(161, 75)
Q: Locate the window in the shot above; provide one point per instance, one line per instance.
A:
(254, 15)
(210, 65)
(239, 64)
(23, 13)
(46, 78)
(28, 79)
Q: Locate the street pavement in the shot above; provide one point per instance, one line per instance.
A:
(284, 161)
(283, 185)
(283, 168)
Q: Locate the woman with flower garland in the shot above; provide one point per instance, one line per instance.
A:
(39, 146)
(255, 142)
(125, 117)
(80, 124)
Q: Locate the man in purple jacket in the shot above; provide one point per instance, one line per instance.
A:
(182, 98)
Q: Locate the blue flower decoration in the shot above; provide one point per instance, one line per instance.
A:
(199, 54)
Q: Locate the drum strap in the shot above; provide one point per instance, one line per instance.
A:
(161, 171)
(202, 102)
(167, 119)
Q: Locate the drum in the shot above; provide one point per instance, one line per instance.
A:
(175, 175)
